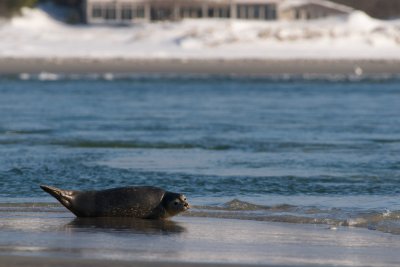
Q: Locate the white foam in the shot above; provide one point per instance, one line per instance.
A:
(47, 76)
(24, 76)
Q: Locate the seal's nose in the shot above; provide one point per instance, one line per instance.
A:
(186, 205)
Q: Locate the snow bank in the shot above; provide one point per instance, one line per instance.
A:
(34, 19)
(361, 22)
(357, 36)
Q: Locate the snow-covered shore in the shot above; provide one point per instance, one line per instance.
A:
(356, 37)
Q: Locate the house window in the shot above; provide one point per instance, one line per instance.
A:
(250, 12)
(297, 14)
(224, 12)
(162, 13)
(191, 12)
(256, 10)
(211, 12)
(97, 11)
(139, 12)
(110, 13)
(126, 13)
(270, 12)
(243, 11)
(185, 12)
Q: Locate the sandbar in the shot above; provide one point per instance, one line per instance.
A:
(26, 261)
(240, 67)
(53, 237)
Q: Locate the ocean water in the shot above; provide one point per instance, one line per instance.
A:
(310, 151)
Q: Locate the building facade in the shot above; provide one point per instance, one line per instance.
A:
(131, 11)
(125, 12)
(311, 9)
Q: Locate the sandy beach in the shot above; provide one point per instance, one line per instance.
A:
(249, 67)
(50, 236)
(15, 261)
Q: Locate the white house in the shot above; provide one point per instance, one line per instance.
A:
(132, 11)
(311, 9)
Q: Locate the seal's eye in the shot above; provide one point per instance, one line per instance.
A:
(176, 203)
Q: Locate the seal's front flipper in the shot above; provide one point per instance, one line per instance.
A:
(63, 196)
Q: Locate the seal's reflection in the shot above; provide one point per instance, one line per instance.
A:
(133, 225)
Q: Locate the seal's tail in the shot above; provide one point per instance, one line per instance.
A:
(61, 195)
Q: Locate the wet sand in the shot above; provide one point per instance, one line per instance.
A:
(197, 66)
(15, 261)
(50, 237)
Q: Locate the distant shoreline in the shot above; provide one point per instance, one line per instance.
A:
(240, 67)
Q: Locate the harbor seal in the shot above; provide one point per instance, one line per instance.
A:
(145, 202)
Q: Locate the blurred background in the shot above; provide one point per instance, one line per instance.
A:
(382, 9)
(237, 29)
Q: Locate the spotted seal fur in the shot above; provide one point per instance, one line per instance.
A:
(146, 202)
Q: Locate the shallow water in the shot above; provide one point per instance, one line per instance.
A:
(289, 150)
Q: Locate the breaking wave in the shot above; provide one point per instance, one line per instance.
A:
(384, 221)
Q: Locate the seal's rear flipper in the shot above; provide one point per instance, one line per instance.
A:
(55, 192)
(61, 195)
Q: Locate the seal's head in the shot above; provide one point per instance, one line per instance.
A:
(175, 203)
